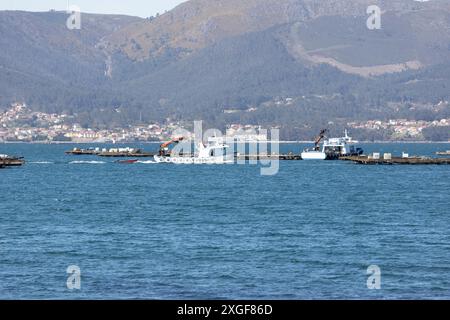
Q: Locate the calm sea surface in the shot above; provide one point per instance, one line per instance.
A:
(159, 231)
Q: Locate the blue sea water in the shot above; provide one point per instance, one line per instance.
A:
(159, 231)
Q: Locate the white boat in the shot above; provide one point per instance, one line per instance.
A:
(332, 148)
(213, 153)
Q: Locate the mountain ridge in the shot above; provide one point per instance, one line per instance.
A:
(197, 23)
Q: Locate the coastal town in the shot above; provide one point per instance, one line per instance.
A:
(402, 129)
(21, 124)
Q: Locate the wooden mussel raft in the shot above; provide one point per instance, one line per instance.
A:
(84, 152)
(387, 159)
(258, 157)
(8, 161)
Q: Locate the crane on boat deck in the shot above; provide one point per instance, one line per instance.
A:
(319, 138)
(164, 148)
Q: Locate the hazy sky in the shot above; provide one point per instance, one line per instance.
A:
(142, 8)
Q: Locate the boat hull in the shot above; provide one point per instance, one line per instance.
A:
(313, 155)
(127, 161)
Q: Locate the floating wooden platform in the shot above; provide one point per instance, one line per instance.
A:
(11, 162)
(396, 160)
(257, 157)
(82, 152)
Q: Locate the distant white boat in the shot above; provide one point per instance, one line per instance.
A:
(213, 153)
